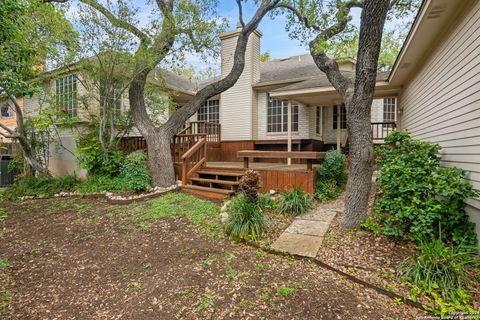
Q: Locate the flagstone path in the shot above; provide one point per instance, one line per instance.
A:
(305, 235)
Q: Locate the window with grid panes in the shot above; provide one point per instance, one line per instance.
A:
(209, 111)
(389, 109)
(343, 117)
(277, 116)
(66, 94)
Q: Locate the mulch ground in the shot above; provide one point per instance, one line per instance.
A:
(375, 259)
(79, 259)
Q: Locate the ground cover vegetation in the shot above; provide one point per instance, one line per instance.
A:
(332, 176)
(421, 201)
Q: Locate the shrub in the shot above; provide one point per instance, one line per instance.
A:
(294, 202)
(266, 201)
(439, 266)
(332, 175)
(135, 172)
(333, 168)
(245, 220)
(42, 185)
(326, 190)
(249, 185)
(415, 196)
(98, 183)
(91, 157)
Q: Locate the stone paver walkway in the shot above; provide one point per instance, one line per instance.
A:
(305, 235)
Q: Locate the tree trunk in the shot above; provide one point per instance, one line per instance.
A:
(361, 163)
(359, 108)
(160, 159)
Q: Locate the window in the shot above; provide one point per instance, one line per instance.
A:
(6, 111)
(318, 120)
(389, 110)
(66, 94)
(277, 116)
(343, 117)
(209, 111)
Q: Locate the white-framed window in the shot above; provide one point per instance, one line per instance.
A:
(318, 120)
(389, 109)
(6, 111)
(277, 116)
(343, 116)
(209, 111)
(66, 94)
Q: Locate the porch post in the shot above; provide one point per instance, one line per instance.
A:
(339, 126)
(289, 131)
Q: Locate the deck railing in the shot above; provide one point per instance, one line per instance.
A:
(211, 129)
(380, 130)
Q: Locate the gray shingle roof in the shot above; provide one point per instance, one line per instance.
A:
(288, 69)
(322, 81)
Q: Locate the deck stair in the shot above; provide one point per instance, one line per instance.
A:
(189, 151)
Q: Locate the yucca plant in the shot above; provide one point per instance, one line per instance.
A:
(245, 220)
(295, 202)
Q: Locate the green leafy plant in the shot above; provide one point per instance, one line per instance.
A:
(266, 201)
(294, 202)
(439, 266)
(370, 224)
(326, 190)
(40, 186)
(245, 220)
(333, 167)
(285, 291)
(3, 214)
(415, 195)
(134, 172)
(99, 183)
(332, 175)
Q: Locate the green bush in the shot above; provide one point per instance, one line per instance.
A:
(326, 190)
(40, 186)
(245, 220)
(97, 183)
(333, 168)
(294, 202)
(416, 196)
(91, 157)
(266, 201)
(134, 172)
(439, 267)
(332, 175)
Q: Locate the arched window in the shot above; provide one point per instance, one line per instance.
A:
(6, 111)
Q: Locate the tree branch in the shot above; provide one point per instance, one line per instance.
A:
(326, 64)
(240, 13)
(10, 131)
(175, 122)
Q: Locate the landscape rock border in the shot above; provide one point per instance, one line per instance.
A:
(111, 197)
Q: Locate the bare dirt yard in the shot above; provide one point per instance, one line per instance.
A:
(162, 259)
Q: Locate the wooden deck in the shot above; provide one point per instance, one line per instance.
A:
(259, 166)
(275, 176)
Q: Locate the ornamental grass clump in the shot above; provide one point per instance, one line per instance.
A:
(294, 202)
(439, 267)
(245, 216)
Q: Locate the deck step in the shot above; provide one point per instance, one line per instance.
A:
(214, 194)
(216, 181)
(221, 173)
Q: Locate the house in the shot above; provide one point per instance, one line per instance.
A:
(8, 117)
(283, 113)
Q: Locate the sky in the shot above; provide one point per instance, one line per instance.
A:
(275, 39)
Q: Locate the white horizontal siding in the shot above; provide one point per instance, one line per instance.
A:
(441, 104)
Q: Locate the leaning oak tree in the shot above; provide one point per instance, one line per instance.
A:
(325, 21)
(185, 24)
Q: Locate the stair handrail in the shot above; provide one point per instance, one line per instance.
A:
(194, 159)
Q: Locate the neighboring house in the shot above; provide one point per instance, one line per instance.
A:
(8, 117)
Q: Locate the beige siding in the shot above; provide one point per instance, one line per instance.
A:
(237, 103)
(441, 103)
